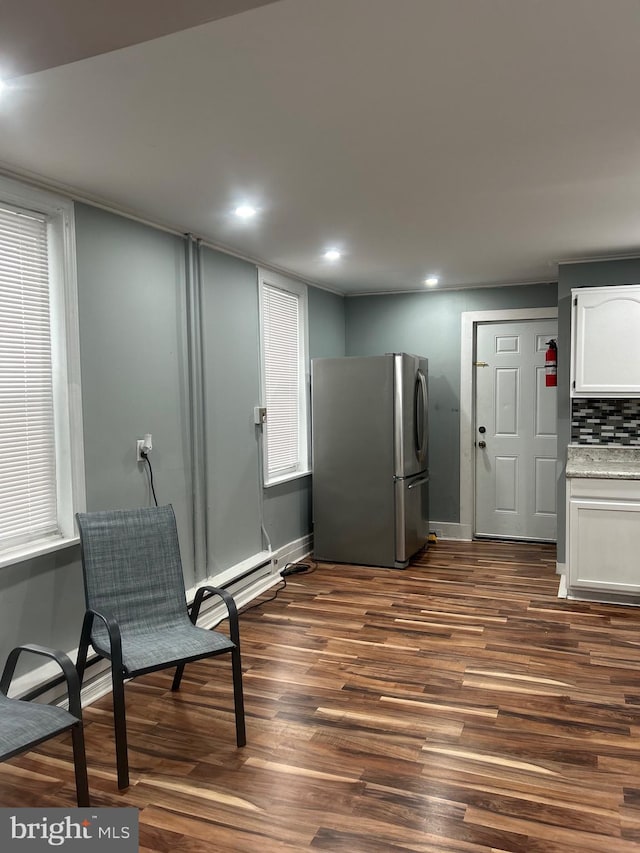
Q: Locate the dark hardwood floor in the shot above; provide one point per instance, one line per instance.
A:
(458, 705)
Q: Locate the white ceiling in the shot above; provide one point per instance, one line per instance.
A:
(483, 140)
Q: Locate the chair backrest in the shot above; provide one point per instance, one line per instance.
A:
(132, 567)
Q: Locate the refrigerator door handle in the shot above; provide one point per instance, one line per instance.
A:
(421, 415)
(419, 482)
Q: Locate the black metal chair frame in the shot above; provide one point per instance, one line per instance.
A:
(119, 673)
(75, 710)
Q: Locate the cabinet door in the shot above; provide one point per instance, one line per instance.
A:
(604, 543)
(605, 333)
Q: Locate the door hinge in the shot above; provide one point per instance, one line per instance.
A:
(575, 300)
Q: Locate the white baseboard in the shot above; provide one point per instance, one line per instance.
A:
(294, 551)
(227, 576)
(255, 576)
(562, 587)
(451, 530)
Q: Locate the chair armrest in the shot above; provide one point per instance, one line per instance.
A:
(64, 661)
(230, 604)
(113, 630)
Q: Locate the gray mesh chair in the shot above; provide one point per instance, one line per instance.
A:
(24, 725)
(137, 614)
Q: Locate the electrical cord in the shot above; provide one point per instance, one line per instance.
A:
(283, 582)
(295, 569)
(145, 456)
(289, 569)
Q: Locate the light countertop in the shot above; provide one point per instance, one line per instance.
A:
(603, 461)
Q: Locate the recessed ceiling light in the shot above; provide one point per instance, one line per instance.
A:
(245, 211)
(431, 280)
(332, 254)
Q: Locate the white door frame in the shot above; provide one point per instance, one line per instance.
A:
(469, 320)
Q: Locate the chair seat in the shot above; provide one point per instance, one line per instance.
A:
(24, 723)
(166, 646)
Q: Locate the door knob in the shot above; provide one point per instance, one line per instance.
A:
(482, 444)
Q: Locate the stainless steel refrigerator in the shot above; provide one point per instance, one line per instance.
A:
(370, 459)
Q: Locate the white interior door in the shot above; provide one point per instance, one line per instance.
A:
(515, 432)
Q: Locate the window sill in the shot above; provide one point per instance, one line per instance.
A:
(286, 478)
(36, 549)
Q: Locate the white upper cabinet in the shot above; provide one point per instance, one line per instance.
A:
(605, 341)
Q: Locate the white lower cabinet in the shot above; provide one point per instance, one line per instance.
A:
(603, 521)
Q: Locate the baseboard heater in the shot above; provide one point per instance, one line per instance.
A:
(266, 563)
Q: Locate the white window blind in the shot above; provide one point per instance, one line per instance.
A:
(281, 334)
(28, 505)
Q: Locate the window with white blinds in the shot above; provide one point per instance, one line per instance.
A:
(40, 436)
(27, 442)
(284, 377)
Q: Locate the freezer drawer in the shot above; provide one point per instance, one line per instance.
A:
(412, 517)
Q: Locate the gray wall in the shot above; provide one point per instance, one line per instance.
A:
(594, 274)
(327, 329)
(231, 373)
(134, 363)
(128, 271)
(287, 506)
(428, 324)
(41, 601)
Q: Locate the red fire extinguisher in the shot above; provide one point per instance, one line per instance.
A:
(551, 364)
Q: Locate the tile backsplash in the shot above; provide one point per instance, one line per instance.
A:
(605, 421)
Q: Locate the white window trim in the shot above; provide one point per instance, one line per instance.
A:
(71, 497)
(267, 277)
